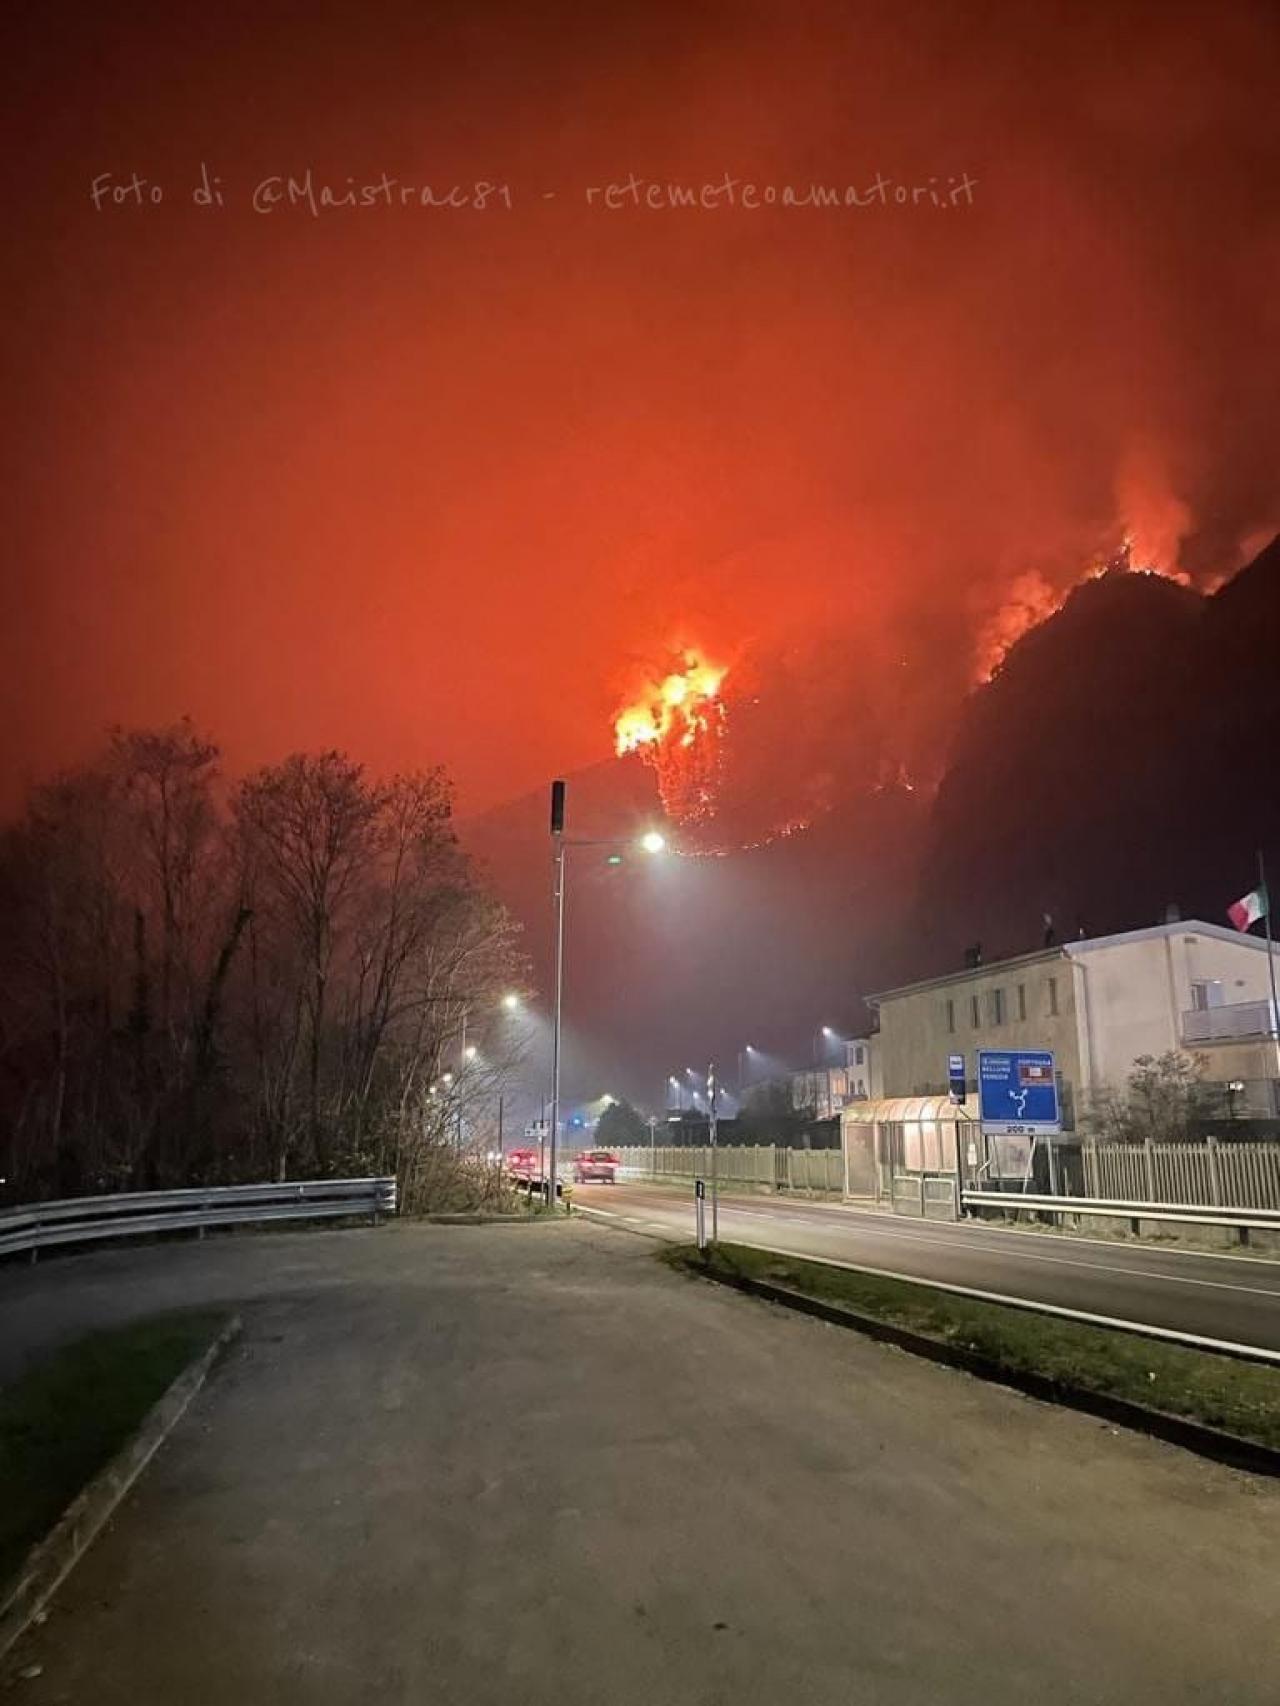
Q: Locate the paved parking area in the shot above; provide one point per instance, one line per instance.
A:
(507, 1464)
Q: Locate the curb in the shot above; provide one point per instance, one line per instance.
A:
(52, 1559)
(478, 1218)
(1205, 1441)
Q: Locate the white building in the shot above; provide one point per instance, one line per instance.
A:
(828, 1089)
(1099, 1004)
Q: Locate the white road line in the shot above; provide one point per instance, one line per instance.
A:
(961, 1239)
(1129, 1324)
(911, 1235)
(1255, 1353)
(850, 1214)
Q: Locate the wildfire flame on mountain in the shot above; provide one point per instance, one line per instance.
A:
(676, 724)
(1032, 600)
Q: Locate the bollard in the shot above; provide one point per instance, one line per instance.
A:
(700, 1212)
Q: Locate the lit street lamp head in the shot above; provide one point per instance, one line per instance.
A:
(653, 842)
(511, 1002)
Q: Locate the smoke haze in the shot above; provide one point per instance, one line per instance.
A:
(423, 484)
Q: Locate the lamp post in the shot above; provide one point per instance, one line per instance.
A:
(711, 1129)
(651, 842)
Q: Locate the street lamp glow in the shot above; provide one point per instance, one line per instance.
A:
(653, 842)
(469, 1053)
(447, 1078)
(511, 1002)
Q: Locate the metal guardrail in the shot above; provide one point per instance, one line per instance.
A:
(83, 1220)
(1197, 1214)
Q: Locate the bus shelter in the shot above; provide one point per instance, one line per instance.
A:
(911, 1152)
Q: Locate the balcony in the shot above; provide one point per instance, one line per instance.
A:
(1236, 1021)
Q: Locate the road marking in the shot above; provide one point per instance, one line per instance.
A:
(1252, 1353)
(960, 1238)
(851, 1212)
(909, 1234)
(1128, 1324)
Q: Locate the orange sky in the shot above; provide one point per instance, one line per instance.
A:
(425, 485)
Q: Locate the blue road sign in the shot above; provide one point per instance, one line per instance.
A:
(1017, 1091)
(956, 1077)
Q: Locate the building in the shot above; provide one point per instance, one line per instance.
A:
(828, 1089)
(1099, 1004)
(866, 1080)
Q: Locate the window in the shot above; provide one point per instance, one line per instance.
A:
(859, 1056)
(951, 1024)
(1053, 998)
(975, 1017)
(997, 1006)
(1022, 1000)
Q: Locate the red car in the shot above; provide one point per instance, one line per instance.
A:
(600, 1165)
(523, 1164)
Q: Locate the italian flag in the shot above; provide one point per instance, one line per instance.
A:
(1249, 910)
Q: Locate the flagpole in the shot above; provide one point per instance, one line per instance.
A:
(1271, 964)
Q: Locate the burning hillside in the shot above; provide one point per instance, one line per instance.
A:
(677, 725)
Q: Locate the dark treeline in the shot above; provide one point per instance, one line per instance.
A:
(208, 984)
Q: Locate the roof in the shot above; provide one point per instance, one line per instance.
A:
(1077, 950)
(1179, 927)
(909, 1110)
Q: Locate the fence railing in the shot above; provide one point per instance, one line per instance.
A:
(1233, 1020)
(1196, 1214)
(1218, 1175)
(767, 1164)
(82, 1220)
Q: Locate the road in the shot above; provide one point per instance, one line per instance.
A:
(478, 1466)
(1222, 1297)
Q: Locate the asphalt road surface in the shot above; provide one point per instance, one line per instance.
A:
(1220, 1297)
(528, 1465)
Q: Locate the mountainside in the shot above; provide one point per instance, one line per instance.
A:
(1119, 763)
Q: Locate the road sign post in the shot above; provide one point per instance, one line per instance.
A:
(957, 1082)
(700, 1212)
(1018, 1100)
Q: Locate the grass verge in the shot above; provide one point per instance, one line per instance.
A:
(1219, 1392)
(67, 1417)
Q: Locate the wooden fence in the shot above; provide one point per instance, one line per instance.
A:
(1228, 1175)
(766, 1164)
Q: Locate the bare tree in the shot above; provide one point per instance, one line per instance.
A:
(189, 992)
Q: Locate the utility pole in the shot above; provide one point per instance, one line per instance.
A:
(715, 1188)
(557, 841)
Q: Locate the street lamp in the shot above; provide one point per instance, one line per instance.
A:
(511, 1002)
(744, 1061)
(650, 842)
